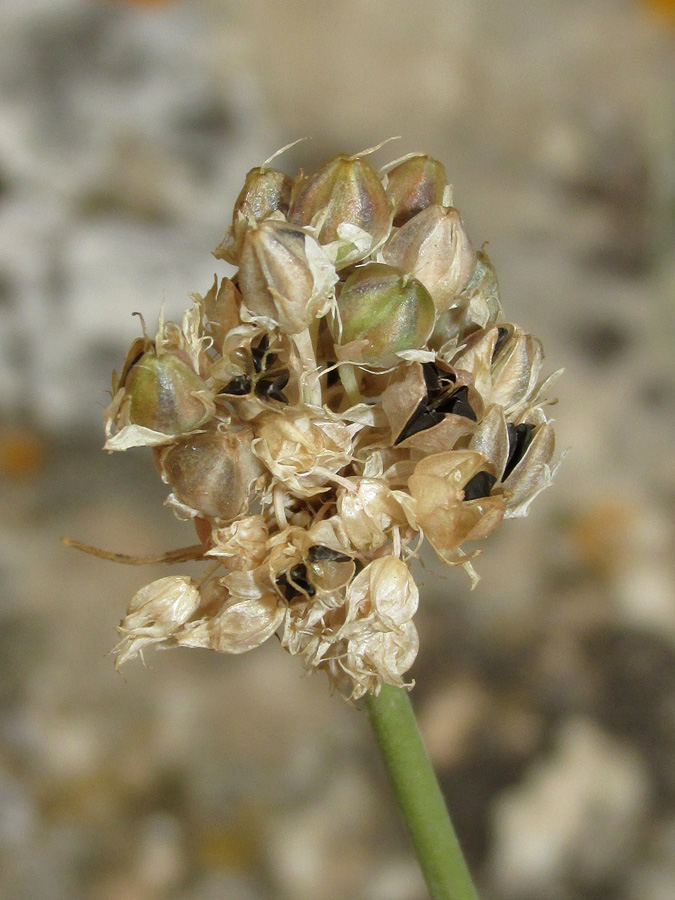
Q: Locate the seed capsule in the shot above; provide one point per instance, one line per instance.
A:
(414, 184)
(265, 191)
(163, 393)
(381, 313)
(211, 473)
(344, 191)
(284, 276)
(434, 247)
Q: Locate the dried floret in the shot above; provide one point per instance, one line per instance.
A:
(155, 614)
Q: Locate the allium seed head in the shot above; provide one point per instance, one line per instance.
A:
(352, 390)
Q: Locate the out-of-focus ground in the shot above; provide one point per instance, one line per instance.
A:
(547, 695)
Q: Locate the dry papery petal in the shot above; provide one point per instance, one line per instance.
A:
(533, 473)
(381, 598)
(242, 545)
(477, 307)
(155, 614)
(303, 453)
(505, 362)
(285, 277)
(434, 247)
(240, 626)
(380, 657)
(437, 485)
(369, 513)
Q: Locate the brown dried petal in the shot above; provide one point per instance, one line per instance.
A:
(491, 438)
(221, 310)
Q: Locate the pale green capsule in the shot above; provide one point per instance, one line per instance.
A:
(384, 312)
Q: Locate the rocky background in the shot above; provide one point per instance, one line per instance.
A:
(547, 695)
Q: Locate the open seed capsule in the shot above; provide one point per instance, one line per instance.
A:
(382, 312)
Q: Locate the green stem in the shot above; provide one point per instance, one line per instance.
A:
(419, 796)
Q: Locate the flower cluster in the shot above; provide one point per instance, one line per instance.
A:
(350, 390)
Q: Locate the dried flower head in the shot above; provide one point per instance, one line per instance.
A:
(350, 391)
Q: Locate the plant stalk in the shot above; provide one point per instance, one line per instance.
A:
(419, 796)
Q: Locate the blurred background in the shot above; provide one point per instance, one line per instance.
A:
(546, 695)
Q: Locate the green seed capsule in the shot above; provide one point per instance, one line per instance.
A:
(160, 393)
(414, 184)
(345, 190)
(383, 312)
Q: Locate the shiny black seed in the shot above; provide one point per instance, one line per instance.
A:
(238, 386)
(479, 486)
(332, 376)
(421, 419)
(272, 386)
(431, 381)
(501, 337)
(294, 583)
(319, 553)
(259, 353)
(520, 438)
(457, 404)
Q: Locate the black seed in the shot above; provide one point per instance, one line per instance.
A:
(272, 386)
(479, 486)
(421, 419)
(332, 376)
(294, 583)
(520, 438)
(238, 386)
(431, 373)
(457, 404)
(259, 352)
(501, 337)
(319, 553)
